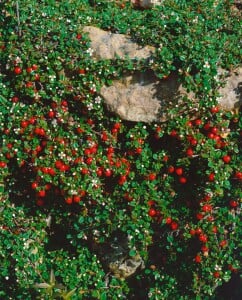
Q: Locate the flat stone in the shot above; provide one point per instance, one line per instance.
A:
(108, 45)
(146, 3)
(231, 93)
(142, 97)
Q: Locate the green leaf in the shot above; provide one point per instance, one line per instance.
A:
(132, 252)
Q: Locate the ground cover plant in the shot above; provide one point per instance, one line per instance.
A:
(75, 178)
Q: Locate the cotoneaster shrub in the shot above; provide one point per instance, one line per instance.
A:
(174, 189)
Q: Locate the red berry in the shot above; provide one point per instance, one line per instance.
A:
(15, 99)
(198, 122)
(51, 114)
(29, 70)
(58, 164)
(182, 180)
(203, 238)
(110, 150)
(108, 172)
(89, 160)
(179, 171)
(211, 135)
(90, 122)
(192, 232)
(114, 130)
(93, 149)
(210, 218)
(214, 130)
(173, 133)
(39, 131)
(138, 150)
(207, 208)
(193, 142)
(51, 171)
(128, 197)
(198, 259)
(34, 67)
(170, 169)
(198, 231)
(40, 202)
(223, 243)
(68, 200)
(122, 180)
(216, 274)
(214, 109)
(233, 203)
(87, 151)
(34, 185)
(24, 124)
(76, 199)
(48, 186)
(199, 216)
(32, 120)
(104, 136)
(2, 164)
(238, 175)
(117, 126)
(231, 268)
(152, 212)
(29, 84)
(168, 220)
(207, 198)
(17, 70)
(84, 171)
(79, 130)
(37, 77)
(99, 172)
(174, 225)
(207, 126)
(41, 193)
(204, 248)
(189, 152)
(151, 202)
(226, 159)
(211, 177)
(152, 176)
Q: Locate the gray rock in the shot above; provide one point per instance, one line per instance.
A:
(146, 3)
(107, 45)
(142, 97)
(231, 93)
(114, 255)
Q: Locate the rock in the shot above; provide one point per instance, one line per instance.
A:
(126, 267)
(107, 45)
(146, 3)
(231, 93)
(142, 97)
(114, 254)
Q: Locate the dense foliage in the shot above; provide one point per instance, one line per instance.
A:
(74, 177)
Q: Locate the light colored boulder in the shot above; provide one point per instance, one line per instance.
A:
(107, 45)
(142, 97)
(231, 93)
(146, 3)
